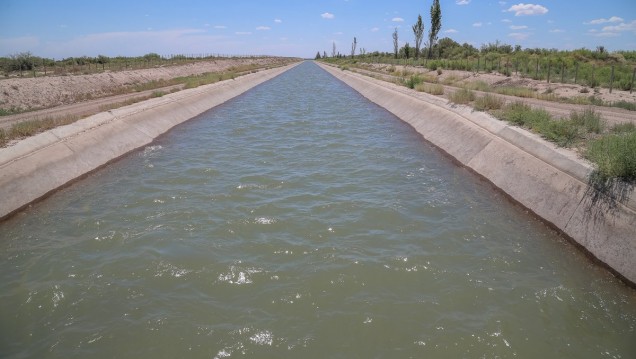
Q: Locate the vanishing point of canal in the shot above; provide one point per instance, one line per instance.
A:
(298, 220)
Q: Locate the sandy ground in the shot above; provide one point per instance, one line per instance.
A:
(52, 91)
(539, 86)
(611, 115)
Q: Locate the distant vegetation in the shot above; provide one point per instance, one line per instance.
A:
(26, 64)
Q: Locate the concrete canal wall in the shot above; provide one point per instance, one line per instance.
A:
(551, 182)
(37, 166)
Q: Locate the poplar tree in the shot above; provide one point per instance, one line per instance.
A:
(353, 47)
(436, 25)
(418, 31)
(395, 43)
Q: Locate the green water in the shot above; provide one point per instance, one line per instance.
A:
(301, 221)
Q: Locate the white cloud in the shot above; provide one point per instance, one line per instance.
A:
(375, 29)
(397, 19)
(477, 24)
(263, 28)
(605, 34)
(556, 30)
(243, 33)
(603, 21)
(506, 20)
(621, 27)
(462, 2)
(220, 27)
(451, 31)
(519, 35)
(278, 21)
(327, 16)
(518, 27)
(527, 9)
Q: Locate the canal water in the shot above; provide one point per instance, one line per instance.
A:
(298, 220)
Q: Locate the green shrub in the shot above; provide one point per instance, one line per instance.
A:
(462, 96)
(413, 81)
(3, 138)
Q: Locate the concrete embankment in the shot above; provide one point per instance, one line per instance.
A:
(551, 182)
(37, 166)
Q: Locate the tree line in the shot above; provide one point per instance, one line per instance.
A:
(447, 48)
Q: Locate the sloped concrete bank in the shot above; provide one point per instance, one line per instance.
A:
(551, 182)
(37, 166)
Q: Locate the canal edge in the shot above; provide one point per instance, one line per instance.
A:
(39, 166)
(549, 182)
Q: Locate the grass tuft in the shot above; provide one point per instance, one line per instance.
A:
(433, 89)
(488, 102)
(588, 119)
(462, 96)
(615, 156)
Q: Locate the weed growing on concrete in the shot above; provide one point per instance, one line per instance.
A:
(615, 155)
(562, 133)
(32, 127)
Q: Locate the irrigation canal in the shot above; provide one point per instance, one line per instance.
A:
(298, 220)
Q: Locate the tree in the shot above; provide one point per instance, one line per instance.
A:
(436, 25)
(333, 50)
(407, 50)
(324, 54)
(395, 43)
(317, 55)
(353, 47)
(418, 31)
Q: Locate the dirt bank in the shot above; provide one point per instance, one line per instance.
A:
(52, 91)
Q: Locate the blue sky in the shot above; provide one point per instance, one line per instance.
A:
(65, 28)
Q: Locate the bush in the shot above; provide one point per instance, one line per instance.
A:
(3, 138)
(413, 81)
(462, 96)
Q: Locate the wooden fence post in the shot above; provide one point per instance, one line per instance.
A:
(536, 72)
(576, 72)
(631, 87)
(562, 71)
(612, 79)
(548, 70)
